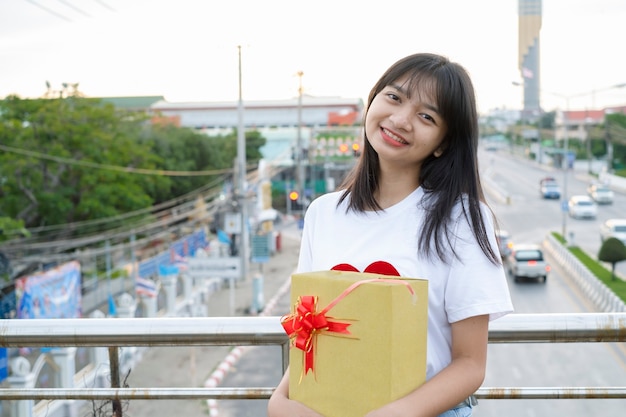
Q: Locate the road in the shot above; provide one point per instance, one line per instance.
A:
(529, 219)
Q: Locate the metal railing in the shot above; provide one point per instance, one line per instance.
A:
(251, 331)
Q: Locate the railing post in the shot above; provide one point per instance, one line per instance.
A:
(150, 305)
(169, 286)
(126, 306)
(99, 356)
(64, 358)
(21, 377)
(187, 287)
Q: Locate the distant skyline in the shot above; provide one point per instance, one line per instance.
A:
(187, 50)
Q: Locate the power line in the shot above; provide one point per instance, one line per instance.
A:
(52, 12)
(106, 6)
(129, 170)
(76, 9)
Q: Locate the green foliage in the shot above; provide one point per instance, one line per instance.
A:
(183, 149)
(76, 159)
(597, 269)
(612, 251)
(54, 167)
(11, 229)
(559, 237)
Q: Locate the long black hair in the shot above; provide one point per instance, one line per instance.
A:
(446, 180)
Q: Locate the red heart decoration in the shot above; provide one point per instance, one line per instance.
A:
(378, 267)
(344, 267)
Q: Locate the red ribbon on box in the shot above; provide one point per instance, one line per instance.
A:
(305, 323)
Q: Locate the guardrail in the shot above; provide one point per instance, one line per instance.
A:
(250, 331)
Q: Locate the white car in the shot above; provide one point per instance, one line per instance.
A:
(613, 228)
(582, 207)
(527, 261)
(601, 194)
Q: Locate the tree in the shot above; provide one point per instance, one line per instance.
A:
(73, 159)
(183, 149)
(64, 161)
(612, 251)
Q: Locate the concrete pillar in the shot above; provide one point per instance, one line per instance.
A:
(99, 357)
(65, 359)
(21, 377)
(187, 287)
(126, 306)
(169, 286)
(258, 299)
(150, 305)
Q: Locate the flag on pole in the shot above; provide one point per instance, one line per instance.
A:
(145, 286)
(178, 261)
(527, 73)
(112, 308)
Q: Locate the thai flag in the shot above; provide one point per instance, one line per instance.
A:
(146, 287)
(178, 260)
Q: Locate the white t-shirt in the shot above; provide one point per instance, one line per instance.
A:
(462, 288)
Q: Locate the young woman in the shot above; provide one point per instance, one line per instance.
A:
(415, 200)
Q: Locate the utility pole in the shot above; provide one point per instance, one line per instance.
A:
(564, 207)
(241, 188)
(299, 152)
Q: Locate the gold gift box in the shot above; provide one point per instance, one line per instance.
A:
(382, 358)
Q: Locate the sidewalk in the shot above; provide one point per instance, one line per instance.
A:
(192, 366)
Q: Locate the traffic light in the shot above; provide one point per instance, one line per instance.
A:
(343, 148)
(293, 200)
(356, 150)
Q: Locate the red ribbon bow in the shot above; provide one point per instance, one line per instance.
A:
(305, 323)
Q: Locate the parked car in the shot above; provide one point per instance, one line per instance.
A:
(600, 193)
(504, 243)
(613, 228)
(527, 261)
(582, 207)
(549, 188)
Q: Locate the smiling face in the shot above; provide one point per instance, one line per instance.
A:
(404, 127)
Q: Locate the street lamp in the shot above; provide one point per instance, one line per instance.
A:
(241, 183)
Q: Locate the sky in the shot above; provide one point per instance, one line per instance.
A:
(188, 50)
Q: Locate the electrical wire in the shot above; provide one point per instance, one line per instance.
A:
(129, 170)
(50, 11)
(76, 9)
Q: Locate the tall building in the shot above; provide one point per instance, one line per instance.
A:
(528, 59)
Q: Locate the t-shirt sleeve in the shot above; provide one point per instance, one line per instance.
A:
(476, 286)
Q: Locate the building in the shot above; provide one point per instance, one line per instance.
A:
(576, 124)
(217, 116)
(276, 120)
(529, 27)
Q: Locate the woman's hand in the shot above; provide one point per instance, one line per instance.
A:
(385, 411)
(284, 407)
(280, 405)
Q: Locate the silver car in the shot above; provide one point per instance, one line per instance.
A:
(613, 228)
(601, 194)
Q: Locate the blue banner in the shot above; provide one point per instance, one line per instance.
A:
(51, 294)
